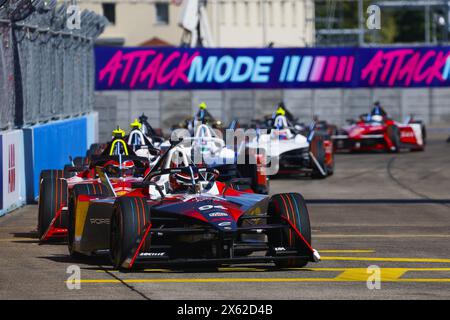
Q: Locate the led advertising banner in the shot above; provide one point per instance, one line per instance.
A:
(142, 68)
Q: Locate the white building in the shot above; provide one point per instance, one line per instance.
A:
(233, 23)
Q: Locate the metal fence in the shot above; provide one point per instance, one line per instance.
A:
(46, 67)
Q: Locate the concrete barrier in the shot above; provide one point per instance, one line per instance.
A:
(12, 173)
(166, 108)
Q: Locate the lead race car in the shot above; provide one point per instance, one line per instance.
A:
(376, 131)
(55, 186)
(181, 214)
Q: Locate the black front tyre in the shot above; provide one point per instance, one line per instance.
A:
(291, 207)
(394, 135)
(52, 198)
(318, 150)
(130, 216)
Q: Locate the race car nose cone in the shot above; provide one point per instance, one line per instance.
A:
(316, 255)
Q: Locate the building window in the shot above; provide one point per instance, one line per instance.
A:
(259, 13)
(294, 14)
(223, 13)
(162, 12)
(282, 13)
(247, 13)
(270, 11)
(235, 12)
(109, 11)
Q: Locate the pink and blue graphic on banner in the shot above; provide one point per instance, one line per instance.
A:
(122, 68)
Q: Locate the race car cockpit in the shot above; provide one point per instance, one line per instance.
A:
(174, 173)
(376, 115)
(150, 133)
(140, 143)
(119, 158)
(117, 146)
(281, 128)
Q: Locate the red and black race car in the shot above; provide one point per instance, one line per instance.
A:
(181, 214)
(118, 160)
(380, 133)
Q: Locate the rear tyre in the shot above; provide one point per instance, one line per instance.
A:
(330, 161)
(250, 170)
(130, 216)
(318, 150)
(423, 130)
(54, 174)
(424, 135)
(52, 198)
(80, 189)
(394, 135)
(292, 207)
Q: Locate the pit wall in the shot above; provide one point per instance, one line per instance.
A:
(24, 153)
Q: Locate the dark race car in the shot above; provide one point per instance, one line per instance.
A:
(181, 214)
(56, 186)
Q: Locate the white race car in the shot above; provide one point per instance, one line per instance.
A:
(207, 148)
(291, 152)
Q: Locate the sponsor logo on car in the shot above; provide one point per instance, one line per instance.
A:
(218, 214)
(209, 207)
(223, 224)
(152, 254)
(99, 221)
(407, 134)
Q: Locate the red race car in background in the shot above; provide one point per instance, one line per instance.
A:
(377, 132)
(118, 161)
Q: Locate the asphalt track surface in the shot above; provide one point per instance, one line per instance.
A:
(387, 210)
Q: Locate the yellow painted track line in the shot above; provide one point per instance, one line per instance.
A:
(433, 260)
(357, 269)
(247, 280)
(345, 275)
(225, 269)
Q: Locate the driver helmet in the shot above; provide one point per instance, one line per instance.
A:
(181, 180)
(118, 133)
(127, 167)
(136, 124)
(202, 106)
(280, 111)
(377, 118)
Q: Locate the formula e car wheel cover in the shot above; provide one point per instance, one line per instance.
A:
(130, 216)
(89, 189)
(394, 136)
(318, 150)
(52, 197)
(290, 206)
